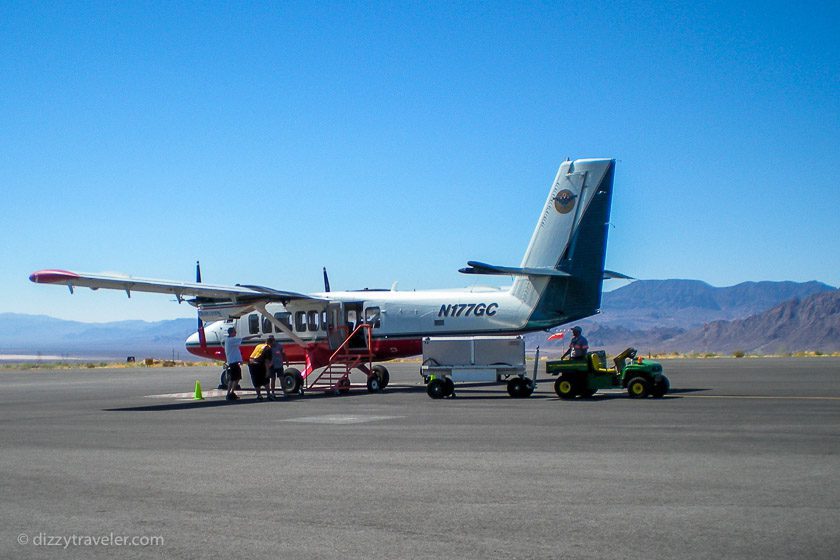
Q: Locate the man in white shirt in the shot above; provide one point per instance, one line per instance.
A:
(233, 357)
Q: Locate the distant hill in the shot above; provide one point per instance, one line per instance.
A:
(33, 334)
(685, 304)
(798, 325)
(658, 315)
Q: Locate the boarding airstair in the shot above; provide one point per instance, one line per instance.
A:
(349, 355)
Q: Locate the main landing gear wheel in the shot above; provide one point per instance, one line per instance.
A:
(374, 385)
(343, 386)
(565, 388)
(384, 376)
(224, 379)
(638, 388)
(436, 388)
(291, 382)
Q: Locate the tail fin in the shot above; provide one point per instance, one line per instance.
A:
(569, 244)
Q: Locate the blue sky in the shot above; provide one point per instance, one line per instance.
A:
(395, 141)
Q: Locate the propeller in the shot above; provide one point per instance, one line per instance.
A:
(326, 281)
(201, 336)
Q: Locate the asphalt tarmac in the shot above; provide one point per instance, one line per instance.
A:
(741, 460)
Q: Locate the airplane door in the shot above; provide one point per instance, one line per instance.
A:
(353, 318)
(336, 330)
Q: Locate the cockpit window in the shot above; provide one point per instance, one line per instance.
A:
(371, 314)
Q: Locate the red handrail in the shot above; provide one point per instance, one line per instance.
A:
(349, 337)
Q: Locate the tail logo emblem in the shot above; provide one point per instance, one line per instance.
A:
(564, 202)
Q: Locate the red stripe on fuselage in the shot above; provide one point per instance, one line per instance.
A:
(383, 349)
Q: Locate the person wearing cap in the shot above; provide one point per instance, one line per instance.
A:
(233, 357)
(275, 368)
(578, 346)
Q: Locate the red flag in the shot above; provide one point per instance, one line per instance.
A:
(557, 336)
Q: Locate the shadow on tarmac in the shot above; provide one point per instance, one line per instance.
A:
(474, 392)
(479, 391)
(248, 398)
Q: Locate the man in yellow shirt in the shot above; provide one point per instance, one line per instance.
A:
(258, 361)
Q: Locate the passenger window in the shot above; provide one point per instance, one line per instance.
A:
(324, 320)
(253, 324)
(313, 321)
(372, 313)
(300, 321)
(266, 325)
(285, 318)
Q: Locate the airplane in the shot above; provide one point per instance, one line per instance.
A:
(558, 281)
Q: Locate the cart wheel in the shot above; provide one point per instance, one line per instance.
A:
(565, 388)
(384, 376)
(638, 388)
(660, 389)
(436, 388)
(527, 387)
(449, 385)
(514, 387)
(292, 381)
(373, 384)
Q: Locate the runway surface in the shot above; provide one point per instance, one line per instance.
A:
(740, 461)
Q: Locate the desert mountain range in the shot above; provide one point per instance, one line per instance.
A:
(691, 316)
(652, 315)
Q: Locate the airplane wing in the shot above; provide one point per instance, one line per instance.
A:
(128, 284)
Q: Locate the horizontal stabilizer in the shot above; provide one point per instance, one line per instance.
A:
(610, 275)
(476, 267)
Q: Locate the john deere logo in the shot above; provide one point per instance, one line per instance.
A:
(565, 201)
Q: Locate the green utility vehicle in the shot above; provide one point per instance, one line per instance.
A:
(584, 377)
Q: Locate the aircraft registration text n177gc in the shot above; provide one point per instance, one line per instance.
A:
(467, 309)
